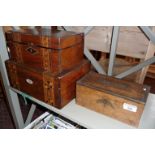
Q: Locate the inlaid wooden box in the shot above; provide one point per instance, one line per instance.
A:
(54, 89)
(53, 51)
(116, 98)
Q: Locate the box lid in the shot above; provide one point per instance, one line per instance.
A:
(45, 38)
(118, 87)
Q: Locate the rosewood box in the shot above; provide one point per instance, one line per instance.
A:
(53, 51)
(54, 89)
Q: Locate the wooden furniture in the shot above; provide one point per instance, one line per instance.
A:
(53, 51)
(132, 42)
(113, 97)
(71, 111)
(54, 89)
(52, 60)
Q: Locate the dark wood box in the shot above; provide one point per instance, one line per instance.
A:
(53, 51)
(54, 89)
(119, 99)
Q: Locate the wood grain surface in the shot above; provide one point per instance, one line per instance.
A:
(54, 89)
(31, 49)
(107, 95)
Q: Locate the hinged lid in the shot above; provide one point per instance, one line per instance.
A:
(118, 87)
(45, 38)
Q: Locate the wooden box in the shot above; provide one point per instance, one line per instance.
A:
(53, 51)
(54, 89)
(119, 99)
